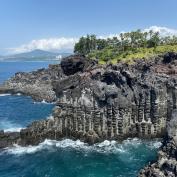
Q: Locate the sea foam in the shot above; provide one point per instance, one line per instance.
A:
(5, 94)
(9, 126)
(103, 147)
(8, 94)
(43, 102)
(18, 94)
(14, 129)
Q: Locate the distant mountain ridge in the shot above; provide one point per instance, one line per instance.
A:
(35, 55)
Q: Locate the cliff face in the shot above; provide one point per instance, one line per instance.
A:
(166, 164)
(116, 102)
(96, 102)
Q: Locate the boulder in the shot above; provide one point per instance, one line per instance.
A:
(75, 63)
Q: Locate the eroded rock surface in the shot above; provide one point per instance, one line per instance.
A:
(166, 164)
(36, 84)
(97, 102)
(78, 63)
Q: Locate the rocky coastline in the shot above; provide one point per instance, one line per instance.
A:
(95, 102)
(166, 164)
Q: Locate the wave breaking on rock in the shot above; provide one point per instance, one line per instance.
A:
(103, 147)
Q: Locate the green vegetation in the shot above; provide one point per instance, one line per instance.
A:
(126, 47)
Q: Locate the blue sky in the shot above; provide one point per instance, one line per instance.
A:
(27, 24)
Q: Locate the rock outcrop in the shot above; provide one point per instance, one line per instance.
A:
(166, 164)
(97, 102)
(36, 84)
(77, 63)
(8, 138)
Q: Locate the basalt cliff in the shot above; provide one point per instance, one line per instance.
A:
(95, 102)
(166, 164)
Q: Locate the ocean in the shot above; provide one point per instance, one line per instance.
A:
(64, 158)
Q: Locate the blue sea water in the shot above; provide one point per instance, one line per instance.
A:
(8, 68)
(64, 158)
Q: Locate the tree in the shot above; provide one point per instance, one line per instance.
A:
(101, 44)
(85, 45)
(154, 40)
(79, 47)
(93, 43)
(126, 43)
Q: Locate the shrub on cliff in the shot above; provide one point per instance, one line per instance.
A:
(126, 46)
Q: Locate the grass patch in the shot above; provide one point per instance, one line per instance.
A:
(109, 55)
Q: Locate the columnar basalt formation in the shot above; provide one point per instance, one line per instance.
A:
(116, 102)
(97, 102)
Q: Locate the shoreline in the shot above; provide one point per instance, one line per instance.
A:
(96, 103)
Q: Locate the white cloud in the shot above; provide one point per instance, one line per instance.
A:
(65, 44)
(164, 31)
(51, 44)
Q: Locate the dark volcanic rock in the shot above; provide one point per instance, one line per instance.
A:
(75, 63)
(169, 57)
(96, 102)
(37, 84)
(8, 139)
(166, 164)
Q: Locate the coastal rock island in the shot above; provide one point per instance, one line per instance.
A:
(103, 102)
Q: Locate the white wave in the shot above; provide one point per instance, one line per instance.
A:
(47, 144)
(18, 94)
(106, 143)
(50, 117)
(43, 102)
(5, 94)
(8, 94)
(9, 126)
(70, 143)
(132, 142)
(109, 147)
(155, 144)
(19, 150)
(104, 147)
(13, 129)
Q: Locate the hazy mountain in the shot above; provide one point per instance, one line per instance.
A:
(36, 55)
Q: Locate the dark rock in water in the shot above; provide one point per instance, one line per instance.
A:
(4, 90)
(8, 139)
(166, 164)
(97, 102)
(116, 102)
(36, 84)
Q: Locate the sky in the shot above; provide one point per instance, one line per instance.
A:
(55, 25)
